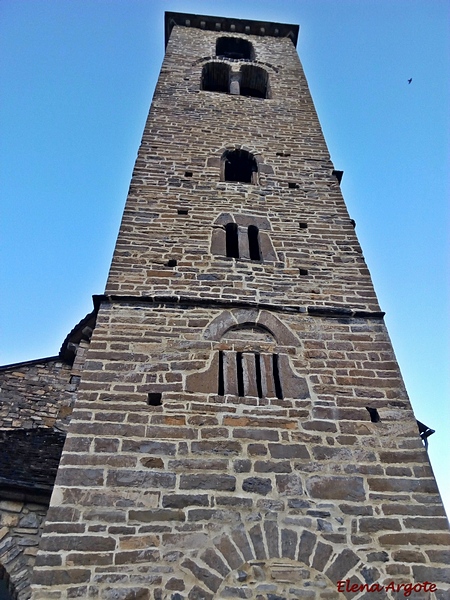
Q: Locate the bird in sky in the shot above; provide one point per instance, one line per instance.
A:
(409, 80)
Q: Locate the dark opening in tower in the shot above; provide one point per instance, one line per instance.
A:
(232, 240)
(231, 47)
(216, 77)
(254, 82)
(239, 165)
(253, 243)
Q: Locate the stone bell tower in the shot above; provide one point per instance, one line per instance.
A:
(221, 445)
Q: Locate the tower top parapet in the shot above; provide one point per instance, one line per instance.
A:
(229, 25)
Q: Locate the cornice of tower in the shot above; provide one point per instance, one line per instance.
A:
(229, 25)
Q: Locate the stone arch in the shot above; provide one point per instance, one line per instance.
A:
(17, 575)
(282, 335)
(267, 557)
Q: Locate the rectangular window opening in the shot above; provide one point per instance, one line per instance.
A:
(276, 377)
(183, 211)
(240, 374)
(303, 271)
(188, 174)
(292, 185)
(303, 225)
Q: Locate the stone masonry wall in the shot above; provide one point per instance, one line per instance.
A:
(191, 498)
(36, 401)
(36, 394)
(187, 132)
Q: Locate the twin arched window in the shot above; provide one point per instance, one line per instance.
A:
(250, 80)
(243, 237)
(232, 241)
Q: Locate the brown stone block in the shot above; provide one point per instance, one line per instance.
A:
(78, 559)
(289, 485)
(391, 484)
(428, 524)
(320, 426)
(135, 542)
(61, 577)
(265, 466)
(183, 500)
(355, 428)
(321, 556)
(214, 432)
(373, 524)
(288, 451)
(156, 514)
(168, 420)
(161, 432)
(83, 477)
(434, 574)
(408, 556)
(209, 579)
(337, 488)
(152, 462)
(208, 482)
(233, 421)
(212, 559)
(149, 447)
(439, 556)
(257, 434)
(416, 538)
(257, 450)
(356, 509)
(136, 556)
(139, 479)
(190, 464)
(219, 447)
(342, 564)
(306, 545)
(85, 543)
(404, 456)
(257, 485)
(429, 510)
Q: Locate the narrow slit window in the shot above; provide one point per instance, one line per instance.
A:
(276, 377)
(240, 374)
(232, 241)
(221, 383)
(253, 242)
(258, 375)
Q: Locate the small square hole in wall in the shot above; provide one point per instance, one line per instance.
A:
(303, 225)
(182, 211)
(171, 262)
(303, 271)
(188, 173)
(292, 185)
(154, 399)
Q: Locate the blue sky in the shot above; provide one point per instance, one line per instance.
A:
(76, 82)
